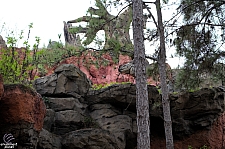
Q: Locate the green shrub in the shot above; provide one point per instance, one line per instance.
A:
(100, 86)
(89, 123)
(17, 66)
(203, 147)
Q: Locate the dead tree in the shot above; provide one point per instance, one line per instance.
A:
(70, 38)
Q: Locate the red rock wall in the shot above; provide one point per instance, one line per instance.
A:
(19, 103)
(103, 74)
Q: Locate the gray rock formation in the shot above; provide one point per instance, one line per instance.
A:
(64, 115)
(197, 110)
(111, 119)
(86, 118)
(67, 80)
(123, 96)
(49, 140)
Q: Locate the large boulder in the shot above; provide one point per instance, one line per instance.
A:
(197, 110)
(67, 80)
(21, 103)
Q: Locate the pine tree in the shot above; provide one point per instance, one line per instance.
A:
(200, 40)
(162, 72)
(142, 104)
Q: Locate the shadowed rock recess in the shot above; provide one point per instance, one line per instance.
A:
(78, 117)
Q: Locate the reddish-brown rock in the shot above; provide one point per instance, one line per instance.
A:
(20, 103)
(217, 133)
(22, 113)
(103, 74)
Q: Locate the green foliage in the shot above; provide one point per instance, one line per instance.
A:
(200, 40)
(192, 80)
(54, 45)
(23, 65)
(156, 105)
(203, 147)
(153, 71)
(101, 86)
(90, 123)
(116, 29)
(16, 66)
(45, 99)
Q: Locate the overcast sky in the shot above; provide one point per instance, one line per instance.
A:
(47, 17)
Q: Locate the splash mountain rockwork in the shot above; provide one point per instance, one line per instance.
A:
(80, 117)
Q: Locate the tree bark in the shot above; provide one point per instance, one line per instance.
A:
(142, 104)
(70, 38)
(164, 89)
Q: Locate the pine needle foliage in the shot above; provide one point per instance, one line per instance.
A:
(200, 40)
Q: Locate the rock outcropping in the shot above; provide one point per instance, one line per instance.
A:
(107, 117)
(67, 80)
(22, 113)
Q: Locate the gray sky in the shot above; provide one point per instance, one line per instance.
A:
(47, 17)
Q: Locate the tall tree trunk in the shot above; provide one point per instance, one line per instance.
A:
(142, 104)
(164, 88)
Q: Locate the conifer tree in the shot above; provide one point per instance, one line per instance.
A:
(142, 103)
(200, 40)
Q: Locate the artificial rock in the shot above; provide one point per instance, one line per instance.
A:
(111, 111)
(81, 117)
(67, 80)
(22, 113)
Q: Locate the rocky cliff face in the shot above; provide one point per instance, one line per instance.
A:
(79, 117)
